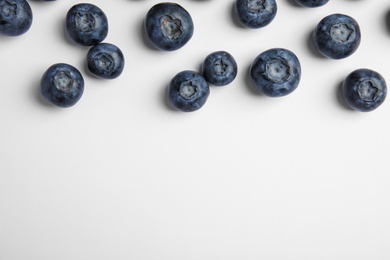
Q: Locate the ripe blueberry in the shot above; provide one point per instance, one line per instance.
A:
(62, 85)
(311, 3)
(15, 17)
(276, 72)
(86, 24)
(219, 68)
(188, 91)
(168, 26)
(255, 13)
(105, 60)
(337, 36)
(364, 90)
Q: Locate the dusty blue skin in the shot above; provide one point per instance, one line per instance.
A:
(15, 17)
(337, 36)
(62, 85)
(219, 68)
(364, 90)
(168, 26)
(255, 13)
(311, 3)
(276, 72)
(86, 24)
(105, 60)
(188, 91)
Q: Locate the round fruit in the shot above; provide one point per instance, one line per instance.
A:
(168, 26)
(364, 90)
(62, 85)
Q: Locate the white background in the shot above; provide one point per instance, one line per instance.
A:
(121, 175)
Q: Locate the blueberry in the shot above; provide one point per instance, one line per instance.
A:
(255, 13)
(219, 68)
(62, 85)
(15, 17)
(105, 60)
(364, 90)
(337, 36)
(311, 3)
(188, 91)
(86, 24)
(168, 26)
(276, 72)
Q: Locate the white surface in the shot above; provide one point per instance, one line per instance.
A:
(122, 176)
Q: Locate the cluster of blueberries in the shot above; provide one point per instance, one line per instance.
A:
(188, 90)
(275, 72)
(87, 25)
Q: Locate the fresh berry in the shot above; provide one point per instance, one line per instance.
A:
(337, 36)
(188, 91)
(219, 68)
(105, 60)
(15, 17)
(255, 13)
(364, 90)
(168, 26)
(62, 85)
(86, 24)
(276, 72)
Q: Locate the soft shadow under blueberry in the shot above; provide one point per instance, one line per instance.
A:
(165, 100)
(37, 95)
(312, 48)
(340, 97)
(387, 20)
(249, 84)
(233, 14)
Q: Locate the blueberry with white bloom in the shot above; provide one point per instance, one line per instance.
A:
(255, 13)
(364, 90)
(337, 36)
(105, 60)
(188, 91)
(168, 26)
(276, 72)
(86, 24)
(15, 17)
(219, 68)
(62, 85)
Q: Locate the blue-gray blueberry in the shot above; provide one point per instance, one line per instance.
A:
(15, 17)
(364, 90)
(219, 68)
(62, 85)
(105, 60)
(168, 26)
(188, 91)
(255, 13)
(337, 36)
(86, 24)
(311, 3)
(276, 72)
